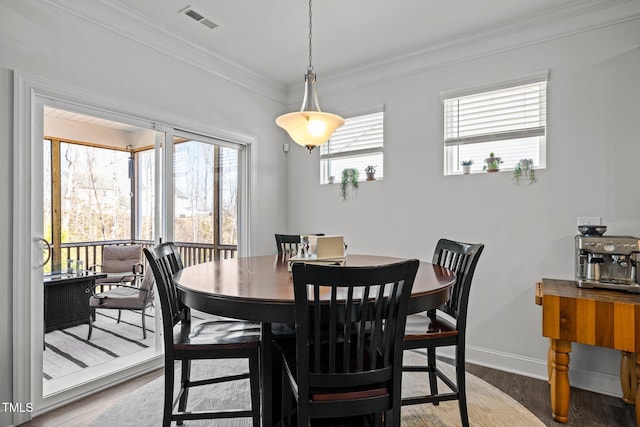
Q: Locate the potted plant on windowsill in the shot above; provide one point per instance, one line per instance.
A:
(349, 177)
(371, 173)
(466, 166)
(492, 163)
(524, 170)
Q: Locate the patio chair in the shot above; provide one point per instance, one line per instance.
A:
(136, 295)
(121, 263)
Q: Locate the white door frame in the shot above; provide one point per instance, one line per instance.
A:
(29, 94)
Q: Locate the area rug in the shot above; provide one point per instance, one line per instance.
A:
(68, 351)
(488, 406)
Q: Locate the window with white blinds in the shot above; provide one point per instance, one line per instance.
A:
(507, 121)
(357, 144)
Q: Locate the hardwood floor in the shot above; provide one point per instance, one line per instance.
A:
(587, 409)
(83, 412)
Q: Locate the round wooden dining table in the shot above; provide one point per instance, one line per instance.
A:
(260, 288)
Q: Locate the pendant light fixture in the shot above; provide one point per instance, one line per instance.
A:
(310, 127)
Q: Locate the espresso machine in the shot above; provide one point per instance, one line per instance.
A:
(607, 262)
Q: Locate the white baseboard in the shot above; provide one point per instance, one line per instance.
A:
(596, 382)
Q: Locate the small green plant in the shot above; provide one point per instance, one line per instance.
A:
(492, 163)
(466, 162)
(349, 177)
(371, 173)
(524, 170)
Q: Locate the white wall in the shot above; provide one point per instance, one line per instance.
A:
(43, 41)
(593, 146)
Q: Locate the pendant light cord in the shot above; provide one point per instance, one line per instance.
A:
(310, 67)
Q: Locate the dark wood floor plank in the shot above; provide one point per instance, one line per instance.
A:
(586, 409)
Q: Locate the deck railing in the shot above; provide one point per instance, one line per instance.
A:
(192, 253)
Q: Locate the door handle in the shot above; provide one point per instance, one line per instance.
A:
(48, 246)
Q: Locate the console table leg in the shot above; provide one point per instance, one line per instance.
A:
(550, 358)
(628, 377)
(560, 380)
(637, 388)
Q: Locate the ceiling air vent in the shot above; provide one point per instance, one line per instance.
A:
(198, 17)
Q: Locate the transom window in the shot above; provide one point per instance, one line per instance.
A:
(357, 144)
(508, 120)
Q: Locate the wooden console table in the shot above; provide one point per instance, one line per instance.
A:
(589, 316)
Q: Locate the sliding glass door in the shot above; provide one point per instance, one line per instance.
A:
(89, 172)
(98, 191)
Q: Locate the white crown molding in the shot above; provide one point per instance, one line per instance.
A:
(122, 20)
(578, 16)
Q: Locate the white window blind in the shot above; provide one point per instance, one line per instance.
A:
(510, 121)
(516, 112)
(357, 144)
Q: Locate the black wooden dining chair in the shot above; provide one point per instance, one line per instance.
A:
(287, 244)
(445, 326)
(347, 357)
(209, 339)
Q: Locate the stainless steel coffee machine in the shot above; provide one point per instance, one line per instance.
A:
(607, 262)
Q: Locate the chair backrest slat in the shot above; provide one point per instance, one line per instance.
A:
(357, 316)
(462, 259)
(287, 244)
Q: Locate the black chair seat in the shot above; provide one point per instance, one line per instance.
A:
(421, 327)
(212, 334)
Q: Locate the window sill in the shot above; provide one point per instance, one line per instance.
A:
(360, 180)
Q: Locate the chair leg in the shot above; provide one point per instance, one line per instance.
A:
(92, 318)
(287, 403)
(144, 326)
(185, 374)
(433, 377)
(168, 393)
(462, 388)
(254, 380)
(119, 314)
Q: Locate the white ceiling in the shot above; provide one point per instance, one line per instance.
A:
(265, 42)
(271, 36)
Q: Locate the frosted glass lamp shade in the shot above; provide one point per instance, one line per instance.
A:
(310, 128)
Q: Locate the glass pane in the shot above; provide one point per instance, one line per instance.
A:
(193, 164)
(146, 195)
(510, 151)
(46, 193)
(229, 196)
(206, 196)
(334, 167)
(96, 193)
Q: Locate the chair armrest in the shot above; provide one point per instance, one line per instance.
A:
(136, 277)
(138, 268)
(94, 267)
(120, 284)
